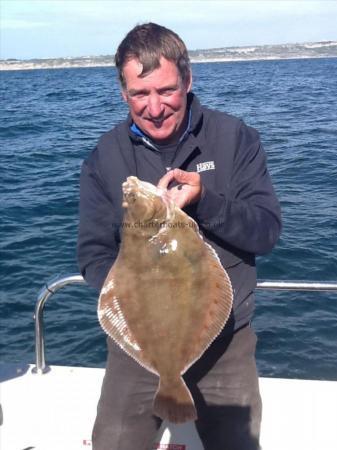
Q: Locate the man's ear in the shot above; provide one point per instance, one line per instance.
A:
(124, 94)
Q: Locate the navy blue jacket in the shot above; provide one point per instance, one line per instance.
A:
(239, 214)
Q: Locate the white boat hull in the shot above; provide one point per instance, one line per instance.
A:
(57, 410)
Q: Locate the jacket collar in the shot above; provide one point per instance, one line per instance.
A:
(194, 141)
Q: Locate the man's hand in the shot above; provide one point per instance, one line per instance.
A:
(188, 190)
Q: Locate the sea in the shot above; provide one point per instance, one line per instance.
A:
(52, 119)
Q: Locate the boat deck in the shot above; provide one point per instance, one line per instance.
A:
(56, 411)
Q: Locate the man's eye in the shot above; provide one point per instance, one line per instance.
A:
(138, 95)
(167, 92)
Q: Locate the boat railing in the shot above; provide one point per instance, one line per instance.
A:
(61, 281)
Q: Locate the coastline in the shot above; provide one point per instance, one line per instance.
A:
(308, 50)
(30, 66)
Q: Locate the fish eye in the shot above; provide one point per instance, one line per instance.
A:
(132, 196)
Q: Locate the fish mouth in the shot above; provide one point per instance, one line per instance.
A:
(133, 188)
(134, 185)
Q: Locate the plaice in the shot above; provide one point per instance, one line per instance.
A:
(166, 297)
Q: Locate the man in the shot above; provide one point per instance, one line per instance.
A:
(214, 167)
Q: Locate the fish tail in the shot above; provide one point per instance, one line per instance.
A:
(174, 402)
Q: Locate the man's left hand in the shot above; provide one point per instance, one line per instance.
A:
(188, 190)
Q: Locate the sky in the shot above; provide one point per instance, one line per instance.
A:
(68, 28)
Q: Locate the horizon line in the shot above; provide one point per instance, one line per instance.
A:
(325, 41)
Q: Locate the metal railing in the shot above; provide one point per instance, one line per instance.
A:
(59, 282)
(47, 291)
(296, 286)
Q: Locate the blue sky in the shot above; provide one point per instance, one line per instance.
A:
(61, 28)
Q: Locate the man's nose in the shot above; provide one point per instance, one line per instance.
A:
(154, 106)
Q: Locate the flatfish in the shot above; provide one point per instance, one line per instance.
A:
(166, 297)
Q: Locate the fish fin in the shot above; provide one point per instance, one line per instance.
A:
(220, 302)
(113, 322)
(221, 296)
(174, 402)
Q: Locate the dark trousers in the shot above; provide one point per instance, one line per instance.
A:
(224, 385)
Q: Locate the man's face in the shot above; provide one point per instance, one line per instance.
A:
(157, 101)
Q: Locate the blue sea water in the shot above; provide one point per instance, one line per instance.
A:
(52, 119)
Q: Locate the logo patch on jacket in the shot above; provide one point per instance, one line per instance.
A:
(209, 165)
